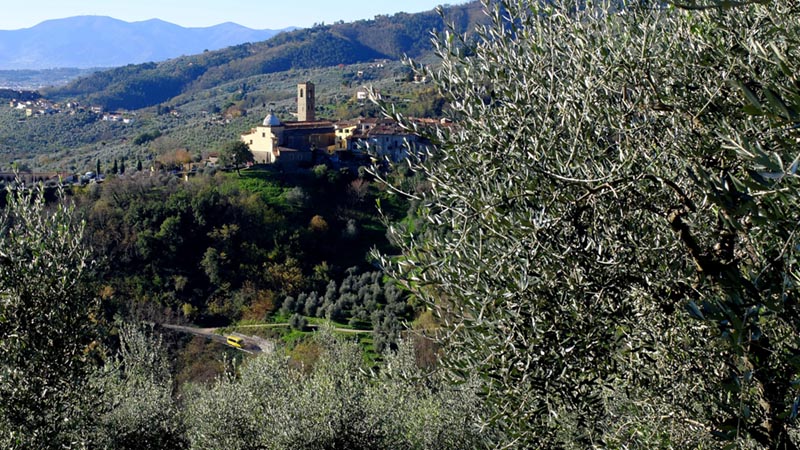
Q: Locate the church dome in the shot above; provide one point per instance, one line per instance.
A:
(272, 121)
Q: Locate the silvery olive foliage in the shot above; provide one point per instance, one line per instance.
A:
(413, 408)
(611, 222)
(47, 322)
(337, 404)
(135, 406)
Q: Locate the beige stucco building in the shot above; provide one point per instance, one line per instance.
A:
(264, 140)
(291, 142)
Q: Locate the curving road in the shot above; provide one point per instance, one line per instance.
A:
(252, 344)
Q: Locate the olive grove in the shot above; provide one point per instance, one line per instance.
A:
(610, 236)
(335, 404)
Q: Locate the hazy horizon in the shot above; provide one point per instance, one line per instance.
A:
(204, 13)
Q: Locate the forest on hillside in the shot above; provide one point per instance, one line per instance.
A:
(222, 248)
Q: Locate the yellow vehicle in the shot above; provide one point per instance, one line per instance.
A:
(235, 341)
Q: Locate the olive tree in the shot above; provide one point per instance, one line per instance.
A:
(134, 407)
(611, 221)
(48, 322)
(236, 154)
(336, 404)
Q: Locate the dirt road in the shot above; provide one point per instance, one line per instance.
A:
(252, 344)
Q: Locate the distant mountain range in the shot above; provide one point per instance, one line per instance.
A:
(386, 37)
(97, 41)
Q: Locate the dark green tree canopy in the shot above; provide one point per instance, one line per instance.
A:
(236, 154)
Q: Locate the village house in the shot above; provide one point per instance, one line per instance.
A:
(384, 140)
(117, 117)
(346, 130)
(363, 94)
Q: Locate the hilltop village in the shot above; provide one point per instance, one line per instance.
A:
(288, 145)
(44, 107)
(295, 142)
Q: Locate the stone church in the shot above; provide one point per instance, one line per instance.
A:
(291, 143)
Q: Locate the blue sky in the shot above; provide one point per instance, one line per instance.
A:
(258, 14)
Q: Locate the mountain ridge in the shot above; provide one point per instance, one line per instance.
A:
(385, 37)
(101, 41)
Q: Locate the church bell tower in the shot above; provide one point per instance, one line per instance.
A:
(305, 102)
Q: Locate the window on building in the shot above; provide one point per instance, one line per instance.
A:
(301, 93)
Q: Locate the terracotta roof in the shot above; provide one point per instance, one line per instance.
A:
(388, 129)
(346, 123)
(314, 124)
